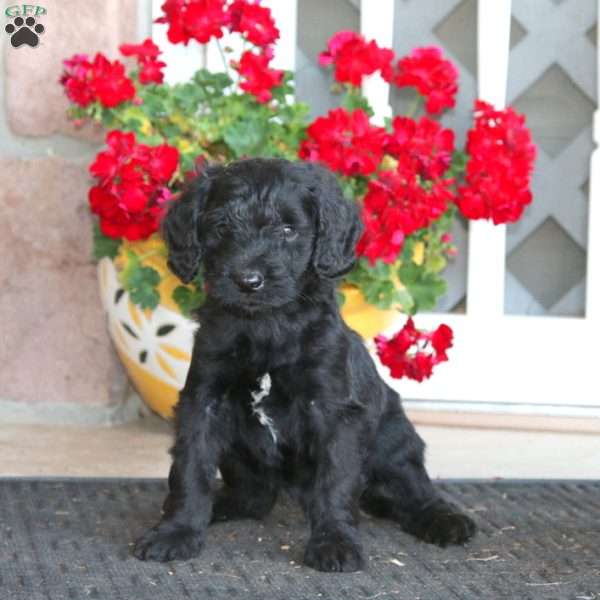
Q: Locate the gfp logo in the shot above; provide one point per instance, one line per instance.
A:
(24, 29)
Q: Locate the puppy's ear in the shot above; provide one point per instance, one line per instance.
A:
(338, 224)
(180, 226)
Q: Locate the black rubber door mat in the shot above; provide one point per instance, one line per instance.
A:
(71, 540)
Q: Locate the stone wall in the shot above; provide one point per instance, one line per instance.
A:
(56, 360)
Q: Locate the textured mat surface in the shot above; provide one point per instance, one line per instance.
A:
(71, 540)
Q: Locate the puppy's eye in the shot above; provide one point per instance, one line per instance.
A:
(289, 233)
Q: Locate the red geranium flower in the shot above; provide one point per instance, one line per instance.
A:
(121, 149)
(354, 58)
(434, 77)
(101, 80)
(413, 353)
(144, 51)
(76, 79)
(146, 54)
(161, 162)
(259, 79)
(109, 84)
(115, 222)
(151, 71)
(255, 22)
(132, 185)
(425, 142)
(396, 205)
(441, 340)
(498, 174)
(200, 20)
(345, 142)
(381, 240)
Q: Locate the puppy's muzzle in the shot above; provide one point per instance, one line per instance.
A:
(249, 281)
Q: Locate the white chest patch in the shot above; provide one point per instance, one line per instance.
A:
(257, 397)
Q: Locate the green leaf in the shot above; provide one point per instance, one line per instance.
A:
(425, 288)
(458, 164)
(212, 84)
(435, 263)
(150, 140)
(382, 270)
(353, 187)
(286, 88)
(375, 282)
(171, 131)
(245, 136)
(188, 299)
(406, 301)
(103, 245)
(141, 282)
(347, 187)
(153, 103)
(354, 99)
(409, 273)
(381, 293)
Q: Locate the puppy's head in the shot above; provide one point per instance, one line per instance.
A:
(262, 228)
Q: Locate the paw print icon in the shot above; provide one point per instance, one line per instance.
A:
(24, 31)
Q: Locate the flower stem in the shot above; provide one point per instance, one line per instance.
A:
(223, 57)
(239, 74)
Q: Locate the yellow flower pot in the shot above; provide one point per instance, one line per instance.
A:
(363, 317)
(155, 346)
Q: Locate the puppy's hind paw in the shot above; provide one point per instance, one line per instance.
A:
(162, 544)
(334, 553)
(442, 524)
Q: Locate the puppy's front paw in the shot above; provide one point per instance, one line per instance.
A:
(443, 524)
(334, 552)
(163, 544)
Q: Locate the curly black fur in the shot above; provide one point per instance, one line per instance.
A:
(272, 236)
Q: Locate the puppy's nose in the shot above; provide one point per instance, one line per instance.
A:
(250, 281)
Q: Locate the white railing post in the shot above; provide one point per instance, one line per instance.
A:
(592, 301)
(487, 242)
(377, 22)
(285, 15)
(182, 61)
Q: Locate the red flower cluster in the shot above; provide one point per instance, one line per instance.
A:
(354, 58)
(412, 196)
(412, 353)
(259, 79)
(345, 142)
(75, 79)
(146, 54)
(425, 144)
(396, 205)
(100, 80)
(203, 20)
(425, 68)
(199, 20)
(434, 77)
(131, 190)
(253, 21)
(498, 173)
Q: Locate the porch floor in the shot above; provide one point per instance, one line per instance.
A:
(139, 449)
(72, 539)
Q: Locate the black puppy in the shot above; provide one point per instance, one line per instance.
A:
(281, 394)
